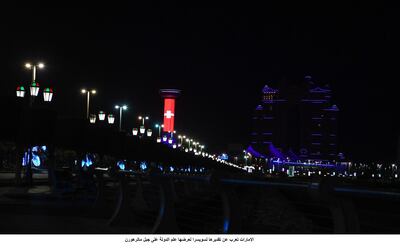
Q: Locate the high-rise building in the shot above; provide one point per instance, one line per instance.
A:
(296, 122)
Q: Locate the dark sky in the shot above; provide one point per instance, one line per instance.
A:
(220, 58)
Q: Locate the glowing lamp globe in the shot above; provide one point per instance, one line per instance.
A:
(149, 132)
(47, 94)
(159, 140)
(102, 116)
(92, 118)
(164, 138)
(174, 146)
(34, 89)
(170, 141)
(20, 91)
(142, 129)
(134, 131)
(110, 119)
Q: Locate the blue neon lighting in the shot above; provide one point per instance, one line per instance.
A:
(87, 161)
(121, 165)
(143, 166)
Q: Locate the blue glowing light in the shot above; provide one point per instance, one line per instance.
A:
(121, 165)
(161, 168)
(36, 160)
(171, 169)
(33, 156)
(224, 157)
(87, 161)
(226, 225)
(25, 159)
(143, 166)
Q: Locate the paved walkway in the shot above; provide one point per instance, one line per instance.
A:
(39, 211)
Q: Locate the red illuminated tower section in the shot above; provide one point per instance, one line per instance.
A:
(169, 96)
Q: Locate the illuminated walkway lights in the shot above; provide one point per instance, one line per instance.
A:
(34, 89)
(88, 92)
(92, 118)
(102, 116)
(149, 132)
(123, 107)
(34, 67)
(47, 94)
(20, 91)
(134, 131)
(110, 118)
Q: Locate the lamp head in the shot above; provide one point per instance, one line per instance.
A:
(28, 65)
(41, 65)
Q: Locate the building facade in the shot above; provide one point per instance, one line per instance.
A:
(296, 122)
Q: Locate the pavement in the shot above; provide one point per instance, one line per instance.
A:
(41, 210)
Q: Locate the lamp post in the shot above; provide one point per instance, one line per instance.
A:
(34, 68)
(159, 132)
(92, 118)
(20, 92)
(123, 107)
(245, 158)
(47, 94)
(180, 137)
(102, 116)
(110, 118)
(88, 92)
(142, 128)
(189, 140)
(143, 118)
(34, 87)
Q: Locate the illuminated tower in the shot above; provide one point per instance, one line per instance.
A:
(169, 96)
(296, 121)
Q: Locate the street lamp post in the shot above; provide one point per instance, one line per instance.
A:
(142, 128)
(34, 87)
(123, 107)
(33, 67)
(159, 132)
(88, 92)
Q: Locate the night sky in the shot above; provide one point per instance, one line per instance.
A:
(220, 58)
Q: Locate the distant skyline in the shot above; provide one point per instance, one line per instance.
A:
(220, 59)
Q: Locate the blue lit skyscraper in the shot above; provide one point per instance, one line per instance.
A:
(296, 122)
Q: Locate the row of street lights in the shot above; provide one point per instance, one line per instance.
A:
(192, 146)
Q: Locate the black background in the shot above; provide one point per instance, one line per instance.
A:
(219, 57)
